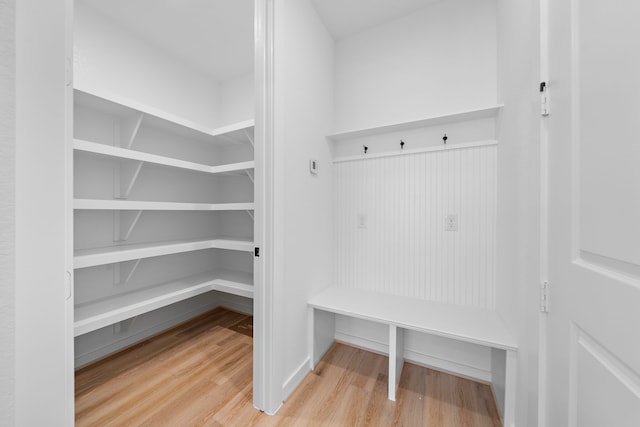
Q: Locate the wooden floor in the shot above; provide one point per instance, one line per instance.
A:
(199, 374)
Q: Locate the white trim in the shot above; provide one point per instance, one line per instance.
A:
(296, 377)
(266, 391)
(544, 218)
(461, 146)
(69, 385)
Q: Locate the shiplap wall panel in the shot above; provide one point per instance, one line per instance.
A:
(404, 249)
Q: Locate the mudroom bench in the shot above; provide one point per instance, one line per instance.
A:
(468, 324)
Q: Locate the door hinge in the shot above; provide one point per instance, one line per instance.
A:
(544, 297)
(544, 99)
(68, 285)
(256, 252)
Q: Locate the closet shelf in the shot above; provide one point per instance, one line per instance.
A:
(97, 204)
(459, 116)
(101, 256)
(122, 107)
(96, 315)
(126, 154)
(234, 282)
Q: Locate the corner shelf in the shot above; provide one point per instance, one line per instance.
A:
(127, 154)
(97, 204)
(101, 256)
(234, 282)
(122, 107)
(130, 118)
(95, 315)
(459, 116)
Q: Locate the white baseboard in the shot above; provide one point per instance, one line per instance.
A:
(296, 378)
(236, 303)
(419, 358)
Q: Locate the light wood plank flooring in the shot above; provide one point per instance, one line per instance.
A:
(199, 374)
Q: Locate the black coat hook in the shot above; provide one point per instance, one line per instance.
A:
(444, 138)
(365, 149)
(401, 144)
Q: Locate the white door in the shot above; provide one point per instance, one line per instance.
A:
(594, 213)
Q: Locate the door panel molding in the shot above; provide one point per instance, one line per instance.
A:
(610, 268)
(592, 364)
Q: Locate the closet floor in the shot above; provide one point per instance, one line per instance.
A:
(200, 374)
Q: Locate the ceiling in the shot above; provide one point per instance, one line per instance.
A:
(344, 18)
(215, 36)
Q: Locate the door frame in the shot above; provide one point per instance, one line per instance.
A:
(264, 383)
(544, 214)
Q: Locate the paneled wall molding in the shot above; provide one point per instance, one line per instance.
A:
(401, 152)
(390, 219)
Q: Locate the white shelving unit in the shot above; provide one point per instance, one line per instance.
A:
(100, 256)
(113, 164)
(97, 204)
(126, 154)
(98, 314)
(120, 106)
(458, 116)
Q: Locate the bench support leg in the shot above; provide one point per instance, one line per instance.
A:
(396, 358)
(510, 389)
(320, 334)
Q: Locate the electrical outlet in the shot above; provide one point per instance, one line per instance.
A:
(451, 222)
(362, 221)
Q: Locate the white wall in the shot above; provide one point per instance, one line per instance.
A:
(111, 59)
(43, 345)
(519, 192)
(404, 248)
(7, 210)
(302, 230)
(236, 99)
(437, 60)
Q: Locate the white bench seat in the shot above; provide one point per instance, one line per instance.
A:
(468, 324)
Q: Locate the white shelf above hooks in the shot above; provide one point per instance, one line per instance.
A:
(479, 113)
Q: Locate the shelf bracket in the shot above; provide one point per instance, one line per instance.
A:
(126, 271)
(250, 138)
(126, 177)
(250, 175)
(235, 141)
(124, 325)
(124, 224)
(129, 128)
(250, 213)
